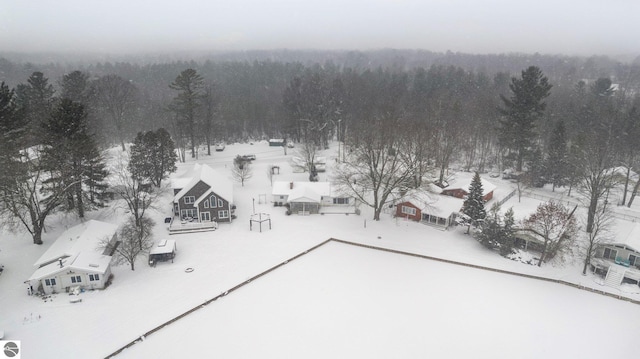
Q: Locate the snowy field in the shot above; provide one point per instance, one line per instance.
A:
(338, 299)
(341, 301)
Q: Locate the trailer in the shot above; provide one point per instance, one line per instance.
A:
(163, 251)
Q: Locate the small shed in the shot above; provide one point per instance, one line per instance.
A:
(276, 142)
(163, 251)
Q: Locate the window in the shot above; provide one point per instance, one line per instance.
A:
(93, 277)
(409, 210)
(213, 201)
(223, 214)
(189, 199)
(50, 282)
(610, 253)
(76, 279)
(633, 259)
(341, 201)
(205, 216)
(189, 213)
(206, 204)
(220, 203)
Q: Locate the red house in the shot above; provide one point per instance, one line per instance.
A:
(460, 189)
(428, 208)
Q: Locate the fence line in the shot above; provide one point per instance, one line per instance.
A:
(508, 197)
(238, 286)
(204, 304)
(574, 201)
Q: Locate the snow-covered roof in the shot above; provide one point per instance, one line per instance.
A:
(465, 183)
(85, 237)
(304, 194)
(299, 190)
(90, 262)
(434, 204)
(218, 183)
(164, 246)
(628, 235)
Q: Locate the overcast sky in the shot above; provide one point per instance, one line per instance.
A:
(572, 27)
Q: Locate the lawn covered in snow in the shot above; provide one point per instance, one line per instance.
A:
(341, 301)
(338, 297)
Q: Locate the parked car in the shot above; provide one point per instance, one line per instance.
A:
(220, 147)
(249, 157)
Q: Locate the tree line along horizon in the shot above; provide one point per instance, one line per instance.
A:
(396, 125)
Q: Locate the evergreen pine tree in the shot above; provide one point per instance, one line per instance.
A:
(152, 157)
(474, 204)
(72, 157)
(36, 100)
(12, 130)
(557, 160)
(507, 238)
(190, 84)
(537, 173)
(521, 111)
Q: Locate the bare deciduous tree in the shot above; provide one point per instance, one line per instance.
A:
(555, 225)
(599, 235)
(133, 240)
(136, 197)
(241, 170)
(117, 98)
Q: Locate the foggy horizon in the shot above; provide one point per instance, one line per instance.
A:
(118, 28)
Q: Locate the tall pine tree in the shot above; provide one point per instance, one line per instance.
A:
(153, 157)
(557, 160)
(190, 86)
(521, 111)
(474, 204)
(72, 157)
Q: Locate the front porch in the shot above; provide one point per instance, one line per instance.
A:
(177, 226)
(615, 272)
(338, 210)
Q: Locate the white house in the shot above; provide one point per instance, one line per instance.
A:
(619, 260)
(75, 259)
(311, 198)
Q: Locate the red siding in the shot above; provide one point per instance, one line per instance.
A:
(415, 217)
(460, 193)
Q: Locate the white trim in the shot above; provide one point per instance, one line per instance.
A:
(408, 210)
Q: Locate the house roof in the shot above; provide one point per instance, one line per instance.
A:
(82, 262)
(164, 246)
(85, 237)
(433, 204)
(297, 191)
(304, 194)
(465, 183)
(628, 235)
(219, 184)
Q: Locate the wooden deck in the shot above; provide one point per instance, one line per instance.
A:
(178, 227)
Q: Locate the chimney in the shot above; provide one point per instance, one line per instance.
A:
(290, 185)
(60, 261)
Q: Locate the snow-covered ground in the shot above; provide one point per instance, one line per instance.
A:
(337, 301)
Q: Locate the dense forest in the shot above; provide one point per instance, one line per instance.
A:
(560, 120)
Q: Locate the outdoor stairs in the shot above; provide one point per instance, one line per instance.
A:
(614, 277)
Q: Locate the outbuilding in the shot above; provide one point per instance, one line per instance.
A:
(164, 250)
